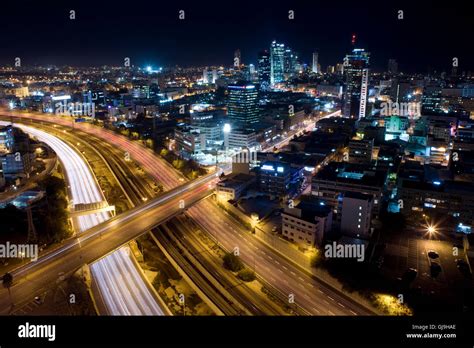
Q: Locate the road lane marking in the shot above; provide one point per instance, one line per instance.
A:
(340, 304)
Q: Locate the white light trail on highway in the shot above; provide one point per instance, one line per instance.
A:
(118, 279)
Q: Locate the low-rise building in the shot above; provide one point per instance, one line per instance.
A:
(232, 187)
(241, 139)
(360, 150)
(307, 224)
(356, 214)
(278, 178)
(334, 180)
(6, 139)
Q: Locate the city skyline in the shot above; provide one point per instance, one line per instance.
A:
(101, 34)
(269, 159)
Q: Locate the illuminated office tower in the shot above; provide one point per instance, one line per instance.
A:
(277, 63)
(242, 106)
(315, 63)
(356, 69)
(264, 69)
(290, 63)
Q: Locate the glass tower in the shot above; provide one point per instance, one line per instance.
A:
(277, 62)
(242, 105)
(356, 69)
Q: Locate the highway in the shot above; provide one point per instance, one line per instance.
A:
(313, 295)
(310, 293)
(282, 143)
(121, 287)
(159, 170)
(31, 279)
(183, 232)
(120, 283)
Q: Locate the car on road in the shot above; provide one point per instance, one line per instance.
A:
(38, 300)
(432, 254)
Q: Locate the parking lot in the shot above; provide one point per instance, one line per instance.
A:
(406, 251)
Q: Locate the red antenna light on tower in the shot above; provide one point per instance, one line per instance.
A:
(353, 39)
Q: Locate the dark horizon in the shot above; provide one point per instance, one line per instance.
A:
(427, 39)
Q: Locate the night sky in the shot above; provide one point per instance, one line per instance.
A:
(149, 32)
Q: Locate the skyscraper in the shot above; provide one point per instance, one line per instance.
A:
(290, 62)
(392, 66)
(277, 62)
(242, 105)
(315, 63)
(264, 69)
(356, 69)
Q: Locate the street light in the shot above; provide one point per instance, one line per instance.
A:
(431, 229)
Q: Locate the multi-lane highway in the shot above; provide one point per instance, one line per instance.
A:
(31, 279)
(309, 127)
(313, 295)
(316, 297)
(120, 284)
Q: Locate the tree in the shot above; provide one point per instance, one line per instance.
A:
(7, 281)
(232, 262)
(247, 275)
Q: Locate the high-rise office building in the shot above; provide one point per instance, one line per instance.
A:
(277, 62)
(392, 66)
(264, 69)
(209, 76)
(242, 106)
(290, 62)
(356, 69)
(315, 68)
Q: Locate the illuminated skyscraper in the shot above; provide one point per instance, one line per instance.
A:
(277, 62)
(242, 106)
(315, 63)
(356, 69)
(264, 69)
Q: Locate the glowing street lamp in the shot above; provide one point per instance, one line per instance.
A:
(431, 229)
